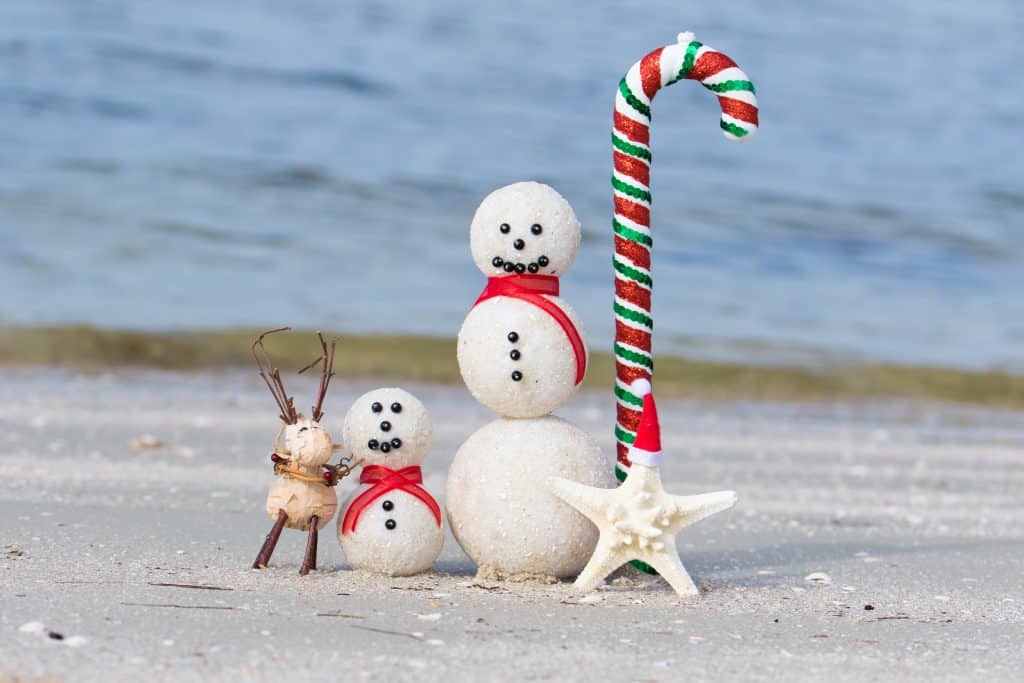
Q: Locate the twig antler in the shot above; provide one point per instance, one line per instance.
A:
(326, 362)
(272, 377)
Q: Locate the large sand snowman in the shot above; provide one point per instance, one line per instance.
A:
(522, 354)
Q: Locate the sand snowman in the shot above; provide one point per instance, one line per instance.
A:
(390, 524)
(522, 353)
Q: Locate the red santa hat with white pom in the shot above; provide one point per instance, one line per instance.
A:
(646, 449)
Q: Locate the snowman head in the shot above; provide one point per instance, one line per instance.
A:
(524, 228)
(388, 427)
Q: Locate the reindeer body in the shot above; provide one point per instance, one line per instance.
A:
(300, 489)
(301, 501)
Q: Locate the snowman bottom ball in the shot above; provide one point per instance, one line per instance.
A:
(396, 535)
(499, 509)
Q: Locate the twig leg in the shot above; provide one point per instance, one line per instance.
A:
(316, 542)
(271, 541)
(310, 560)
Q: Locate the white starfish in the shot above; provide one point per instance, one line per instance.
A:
(639, 521)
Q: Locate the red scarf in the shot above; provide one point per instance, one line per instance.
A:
(407, 479)
(531, 288)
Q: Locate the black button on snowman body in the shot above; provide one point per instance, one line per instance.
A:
(515, 354)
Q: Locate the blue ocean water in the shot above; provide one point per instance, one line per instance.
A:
(202, 163)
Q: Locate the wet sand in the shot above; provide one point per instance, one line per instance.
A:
(138, 558)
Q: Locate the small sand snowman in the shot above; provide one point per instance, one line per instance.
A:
(522, 353)
(390, 524)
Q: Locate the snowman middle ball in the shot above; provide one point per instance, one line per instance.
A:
(390, 524)
(501, 514)
(515, 358)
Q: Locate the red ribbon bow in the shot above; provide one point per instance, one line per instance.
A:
(532, 288)
(407, 479)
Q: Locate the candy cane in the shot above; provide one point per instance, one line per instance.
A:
(632, 221)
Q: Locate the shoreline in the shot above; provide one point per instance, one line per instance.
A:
(424, 359)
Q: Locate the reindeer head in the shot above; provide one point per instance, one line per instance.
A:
(306, 442)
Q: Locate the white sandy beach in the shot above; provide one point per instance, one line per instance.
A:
(139, 558)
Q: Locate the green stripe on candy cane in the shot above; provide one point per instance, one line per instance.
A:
(630, 149)
(633, 316)
(624, 436)
(634, 357)
(630, 190)
(630, 234)
(688, 60)
(625, 396)
(728, 127)
(633, 273)
(639, 106)
(731, 86)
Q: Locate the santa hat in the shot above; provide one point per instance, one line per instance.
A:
(646, 449)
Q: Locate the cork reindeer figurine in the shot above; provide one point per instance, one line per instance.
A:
(302, 497)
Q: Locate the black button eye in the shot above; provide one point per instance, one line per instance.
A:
(497, 262)
(385, 426)
(390, 524)
(373, 444)
(519, 244)
(388, 506)
(396, 407)
(536, 229)
(376, 407)
(516, 376)
(396, 443)
(513, 337)
(385, 447)
(505, 228)
(543, 261)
